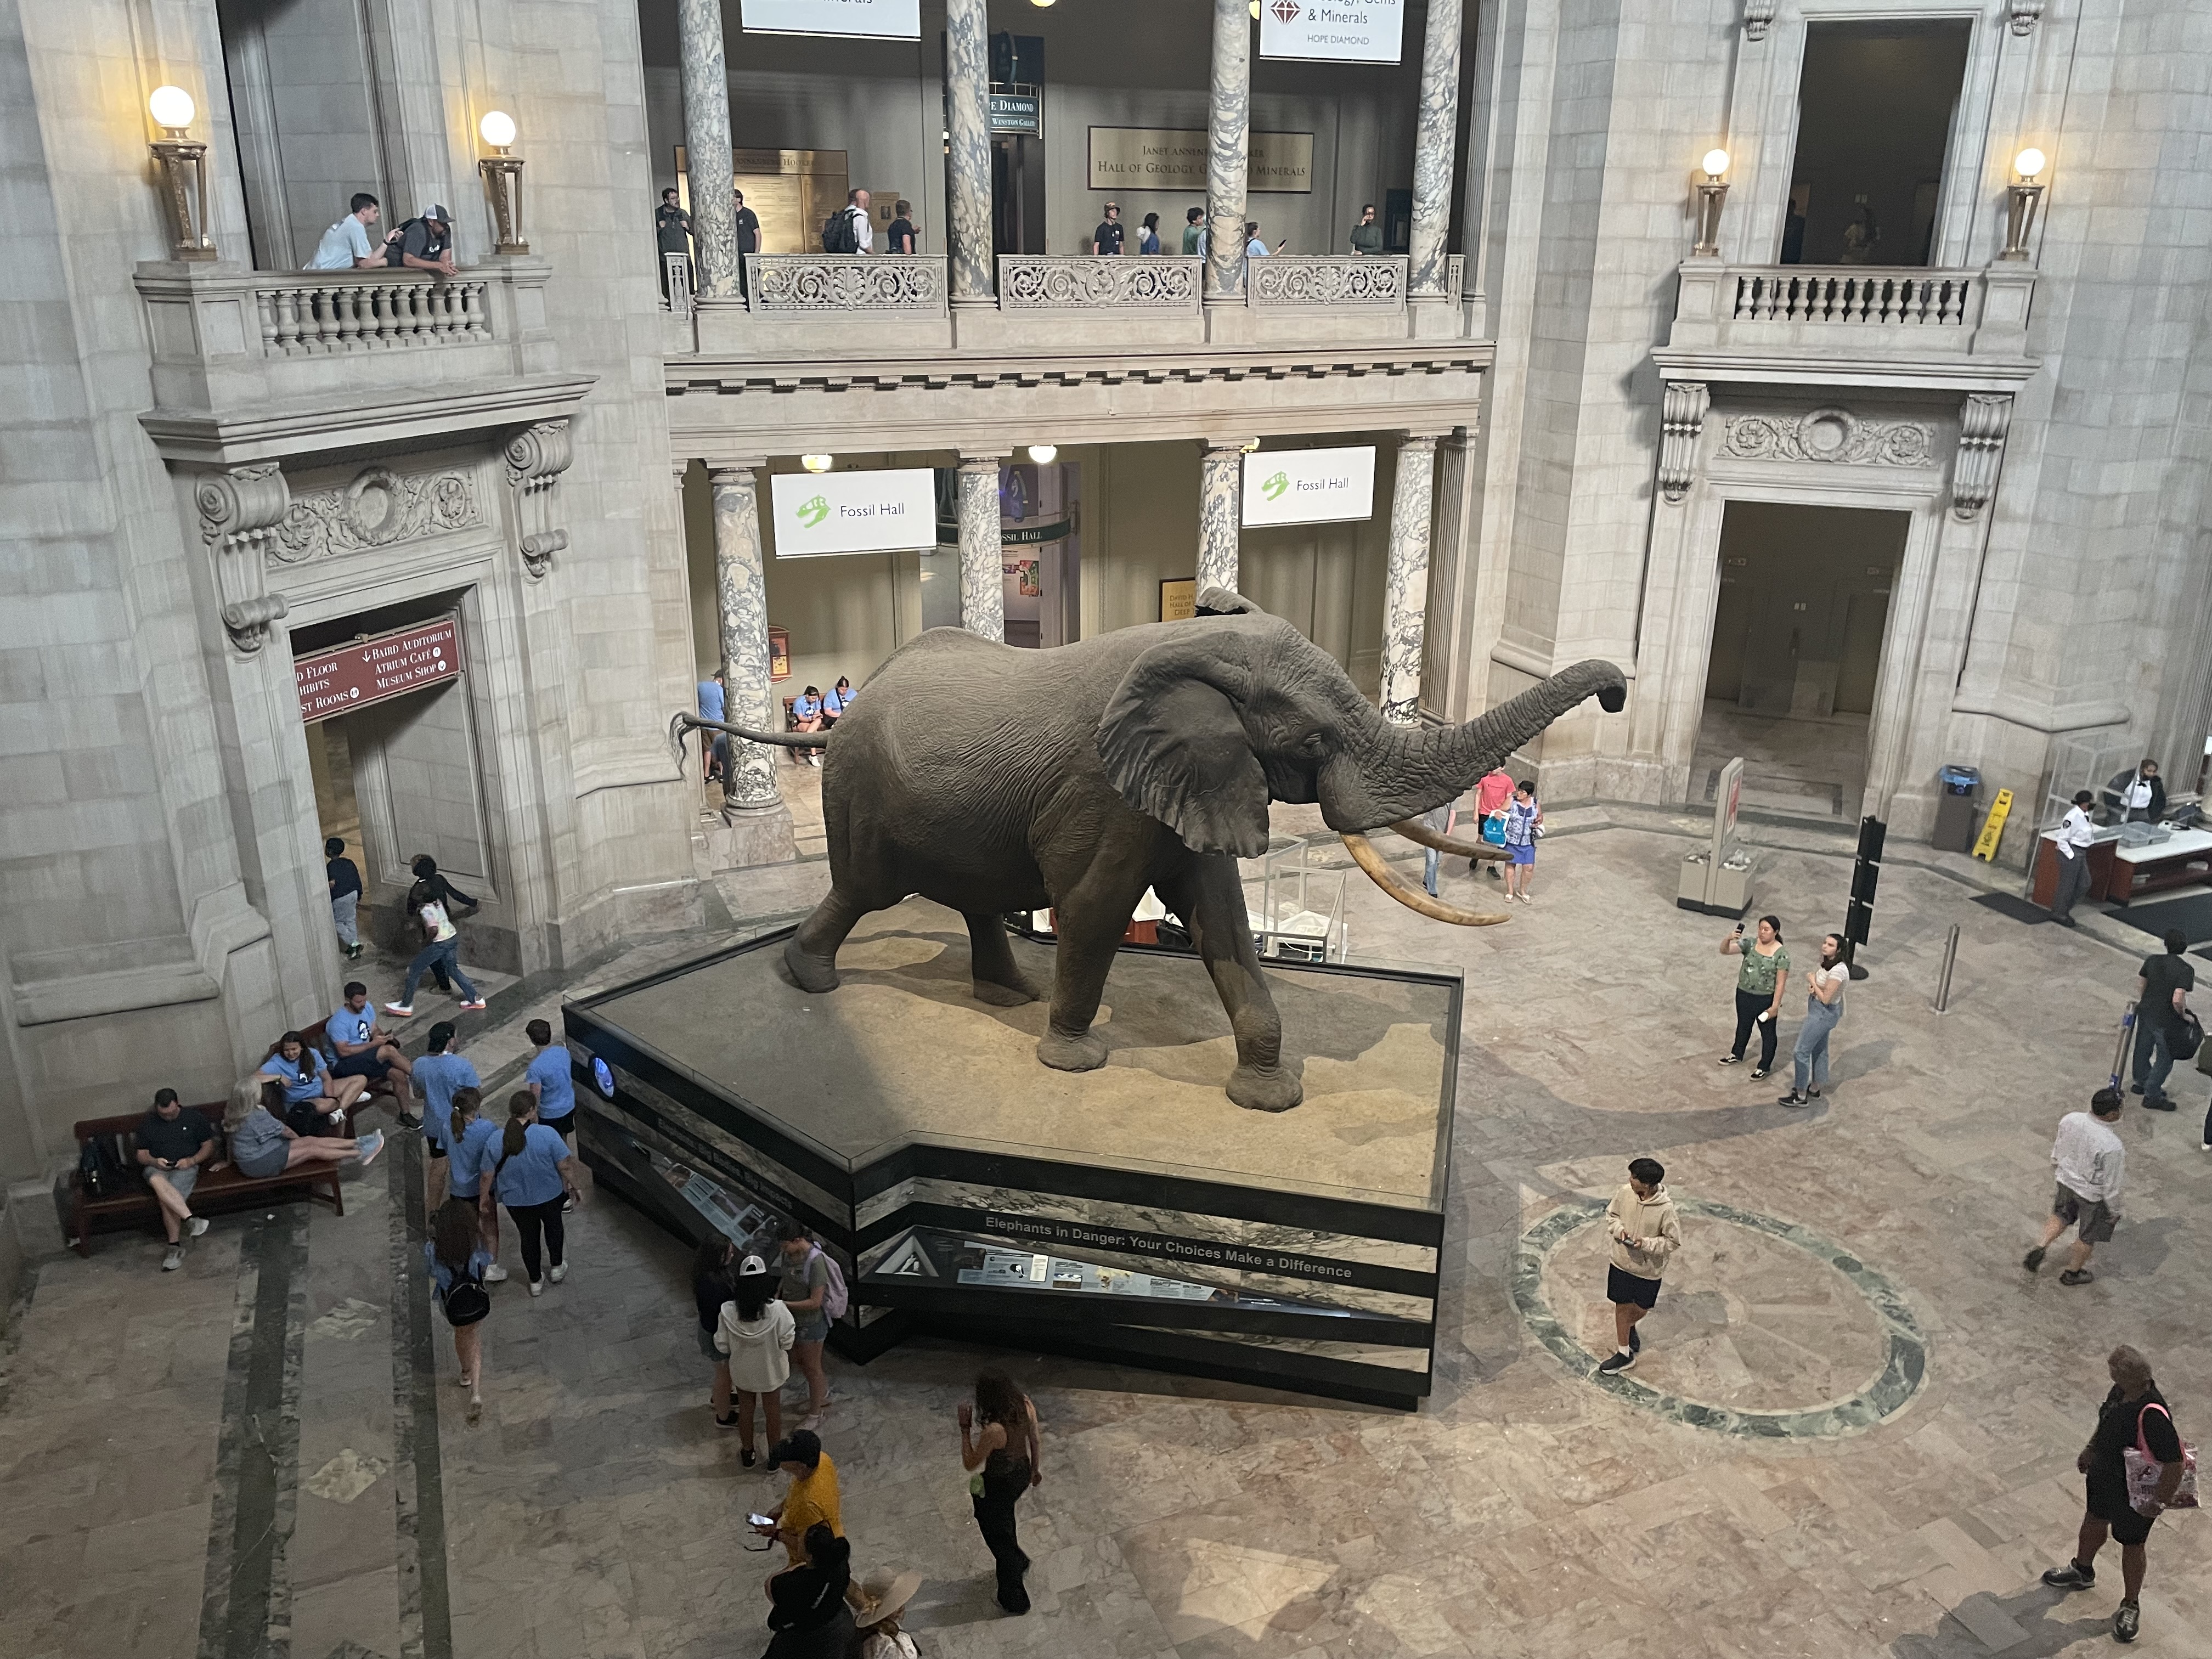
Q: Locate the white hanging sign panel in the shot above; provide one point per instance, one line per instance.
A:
(881, 20)
(1308, 486)
(1333, 31)
(812, 513)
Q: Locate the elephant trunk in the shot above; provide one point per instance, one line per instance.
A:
(1399, 772)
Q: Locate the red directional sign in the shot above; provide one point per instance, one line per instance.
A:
(372, 671)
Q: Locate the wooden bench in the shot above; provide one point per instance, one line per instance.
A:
(221, 1186)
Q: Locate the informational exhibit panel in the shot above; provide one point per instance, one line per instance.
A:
(1168, 158)
(816, 513)
(882, 19)
(1308, 486)
(1362, 32)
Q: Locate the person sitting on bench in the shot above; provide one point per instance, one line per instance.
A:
(173, 1147)
(314, 1101)
(261, 1146)
(365, 1049)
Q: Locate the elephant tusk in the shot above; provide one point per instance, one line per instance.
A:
(1421, 836)
(1364, 854)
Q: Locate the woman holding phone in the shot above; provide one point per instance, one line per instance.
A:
(1759, 983)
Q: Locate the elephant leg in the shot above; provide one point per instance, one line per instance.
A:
(812, 952)
(998, 981)
(1092, 920)
(1223, 933)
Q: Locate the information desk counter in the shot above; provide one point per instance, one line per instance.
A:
(1132, 1213)
(2120, 874)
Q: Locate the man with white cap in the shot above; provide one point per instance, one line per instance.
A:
(426, 241)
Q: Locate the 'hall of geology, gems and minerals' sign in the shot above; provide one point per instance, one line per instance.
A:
(1167, 158)
(371, 670)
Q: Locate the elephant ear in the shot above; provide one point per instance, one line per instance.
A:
(1176, 749)
(1227, 602)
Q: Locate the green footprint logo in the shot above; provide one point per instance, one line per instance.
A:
(811, 512)
(1276, 485)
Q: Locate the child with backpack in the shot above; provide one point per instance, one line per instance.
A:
(457, 1261)
(814, 1290)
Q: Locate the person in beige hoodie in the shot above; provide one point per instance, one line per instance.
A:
(1645, 1232)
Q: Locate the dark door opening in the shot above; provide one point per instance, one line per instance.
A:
(1016, 194)
(1796, 653)
(1875, 106)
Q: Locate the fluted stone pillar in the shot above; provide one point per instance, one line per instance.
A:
(706, 145)
(756, 807)
(1406, 578)
(1228, 151)
(1436, 135)
(1220, 515)
(968, 165)
(982, 560)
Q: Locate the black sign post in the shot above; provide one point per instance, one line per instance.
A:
(1866, 875)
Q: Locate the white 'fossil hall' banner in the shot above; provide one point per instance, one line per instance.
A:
(817, 513)
(1308, 486)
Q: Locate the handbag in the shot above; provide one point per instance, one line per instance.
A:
(2145, 1471)
(2188, 1037)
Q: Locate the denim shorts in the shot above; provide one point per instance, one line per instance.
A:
(708, 1350)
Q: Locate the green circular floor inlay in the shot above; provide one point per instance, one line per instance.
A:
(1904, 1368)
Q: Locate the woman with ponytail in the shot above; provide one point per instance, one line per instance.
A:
(807, 1609)
(533, 1178)
(458, 1262)
(473, 1152)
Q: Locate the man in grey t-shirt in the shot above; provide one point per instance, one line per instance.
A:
(345, 245)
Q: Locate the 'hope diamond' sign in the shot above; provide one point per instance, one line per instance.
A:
(1334, 30)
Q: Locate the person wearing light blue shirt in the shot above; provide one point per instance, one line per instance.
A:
(550, 1078)
(532, 1182)
(315, 1101)
(345, 245)
(714, 705)
(437, 1074)
(472, 1153)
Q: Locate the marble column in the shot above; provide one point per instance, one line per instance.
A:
(706, 147)
(1220, 513)
(1405, 579)
(1228, 151)
(741, 593)
(982, 565)
(968, 164)
(1435, 136)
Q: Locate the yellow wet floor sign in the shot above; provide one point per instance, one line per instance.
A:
(1985, 844)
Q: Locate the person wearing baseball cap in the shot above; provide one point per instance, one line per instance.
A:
(811, 1498)
(426, 242)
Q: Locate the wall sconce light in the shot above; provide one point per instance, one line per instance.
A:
(1043, 454)
(502, 175)
(1712, 192)
(184, 174)
(2021, 200)
(817, 463)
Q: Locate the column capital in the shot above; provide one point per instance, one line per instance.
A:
(1228, 446)
(983, 457)
(681, 466)
(1414, 435)
(739, 471)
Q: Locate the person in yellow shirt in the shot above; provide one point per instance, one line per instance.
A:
(811, 1496)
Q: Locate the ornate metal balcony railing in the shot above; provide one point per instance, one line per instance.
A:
(823, 284)
(1150, 283)
(366, 311)
(1305, 282)
(1850, 294)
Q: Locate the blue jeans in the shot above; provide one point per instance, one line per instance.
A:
(1429, 871)
(445, 951)
(1808, 1060)
(2154, 1056)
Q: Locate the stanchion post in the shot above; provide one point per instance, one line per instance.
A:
(1950, 960)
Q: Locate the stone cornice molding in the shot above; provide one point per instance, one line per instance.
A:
(732, 377)
(2052, 719)
(428, 412)
(1992, 374)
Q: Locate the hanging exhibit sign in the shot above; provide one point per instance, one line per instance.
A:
(1365, 32)
(881, 20)
(819, 513)
(1016, 111)
(348, 677)
(1308, 486)
(1166, 158)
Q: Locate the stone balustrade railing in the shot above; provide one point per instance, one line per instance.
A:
(820, 284)
(1855, 293)
(368, 311)
(1150, 283)
(1326, 282)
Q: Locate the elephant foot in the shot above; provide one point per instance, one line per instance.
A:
(1084, 1052)
(813, 972)
(1265, 1088)
(1001, 995)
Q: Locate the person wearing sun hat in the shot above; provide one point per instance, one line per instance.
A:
(878, 1601)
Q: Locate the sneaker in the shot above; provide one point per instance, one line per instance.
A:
(197, 1225)
(2127, 1623)
(174, 1260)
(1762, 1074)
(731, 1421)
(1793, 1098)
(537, 1287)
(1623, 1359)
(370, 1143)
(2033, 1259)
(495, 1273)
(1731, 1059)
(2071, 1577)
(2075, 1276)
(812, 1421)
(2204, 1145)
(474, 1006)
(1635, 1340)
(568, 1207)
(560, 1272)
(407, 1120)
(748, 1456)
(2159, 1103)
(2135, 1088)
(404, 1010)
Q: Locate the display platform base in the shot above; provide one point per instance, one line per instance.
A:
(1131, 1213)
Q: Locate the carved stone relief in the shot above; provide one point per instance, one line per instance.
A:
(536, 459)
(239, 509)
(1829, 434)
(1682, 420)
(377, 509)
(1757, 18)
(1983, 423)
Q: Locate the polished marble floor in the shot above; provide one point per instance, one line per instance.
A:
(266, 1453)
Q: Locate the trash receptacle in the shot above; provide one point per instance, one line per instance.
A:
(1954, 809)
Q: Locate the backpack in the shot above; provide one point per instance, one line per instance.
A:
(834, 1298)
(837, 234)
(395, 251)
(102, 1175)
(467, 1301)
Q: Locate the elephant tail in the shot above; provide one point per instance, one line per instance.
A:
(686, 721)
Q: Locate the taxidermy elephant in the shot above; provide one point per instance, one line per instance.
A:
(992, 779)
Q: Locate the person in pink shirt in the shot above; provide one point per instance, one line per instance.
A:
(1491, 793)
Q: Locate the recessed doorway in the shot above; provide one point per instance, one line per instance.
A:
(1796, 653)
